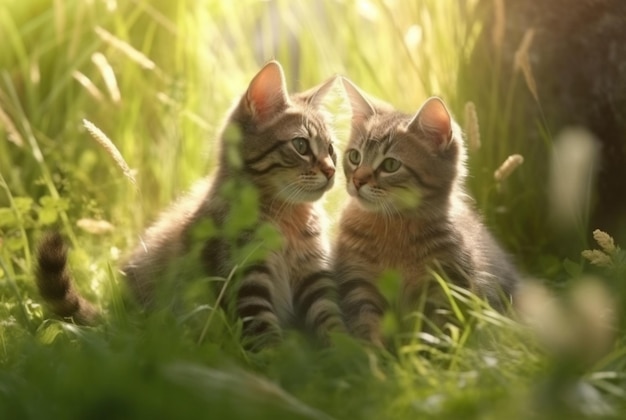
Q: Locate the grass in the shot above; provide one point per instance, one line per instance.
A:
(157, 78)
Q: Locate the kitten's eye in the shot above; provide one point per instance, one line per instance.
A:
(390, 165)
(354, 157)
(301, 144)
(331, 149)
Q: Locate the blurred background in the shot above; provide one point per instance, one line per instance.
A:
(158, 77)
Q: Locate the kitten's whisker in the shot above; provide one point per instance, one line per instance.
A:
(388, 215)
(287, 201)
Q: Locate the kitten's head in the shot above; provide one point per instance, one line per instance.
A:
(283, 143)
(397, 163)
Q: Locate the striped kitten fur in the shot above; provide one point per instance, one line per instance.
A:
(408, 212)
(286, 150)
(55, 282)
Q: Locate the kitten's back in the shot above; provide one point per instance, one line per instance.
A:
(496, 277)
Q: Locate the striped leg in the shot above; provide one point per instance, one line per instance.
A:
(255, 307)
(363, 307)
(315, 304)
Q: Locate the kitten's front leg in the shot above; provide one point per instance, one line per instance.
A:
(361, 302)
(255, 306)
(315, 303)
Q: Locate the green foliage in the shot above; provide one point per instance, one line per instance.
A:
(157, 78)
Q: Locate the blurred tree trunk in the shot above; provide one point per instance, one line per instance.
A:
(578, 59)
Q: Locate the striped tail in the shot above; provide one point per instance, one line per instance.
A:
(55, 283)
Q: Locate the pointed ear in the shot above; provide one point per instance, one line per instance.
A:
(433, 121)
(267, 93)
(362, 109)
(315, 95)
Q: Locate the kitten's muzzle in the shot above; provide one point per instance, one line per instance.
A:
(327, 167)
(361, 177)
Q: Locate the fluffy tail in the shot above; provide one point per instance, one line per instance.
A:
(55, 283)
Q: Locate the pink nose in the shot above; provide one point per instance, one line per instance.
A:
(358, 182)
(361, 177)
(327, 167)
(328, 171)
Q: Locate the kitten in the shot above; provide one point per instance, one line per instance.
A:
(408, 212)
(284, 149)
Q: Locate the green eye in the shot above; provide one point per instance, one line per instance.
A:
(301, 144)
(390, 165)
(354, 157)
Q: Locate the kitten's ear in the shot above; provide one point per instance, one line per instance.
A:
(315, 95)
(434, 122)
(362, 109)
(267, 93)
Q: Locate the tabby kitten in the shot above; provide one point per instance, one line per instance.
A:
(284, 149)
(408, 212)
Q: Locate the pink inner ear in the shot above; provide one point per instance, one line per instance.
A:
(267, 93)
(433, 118)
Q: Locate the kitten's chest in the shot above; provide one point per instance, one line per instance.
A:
(399, 251)
(398, 245)
(302, 239)
(304, 248)
(302, 252)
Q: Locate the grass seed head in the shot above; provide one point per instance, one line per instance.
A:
(597, 257)
(110, 148)
(605, 241)
(508, 166)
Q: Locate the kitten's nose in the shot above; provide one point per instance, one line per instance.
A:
(327, 167)
(358, 182)
(361, 177)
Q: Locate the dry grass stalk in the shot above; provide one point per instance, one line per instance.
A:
(125, 48)
(497, 35)
(472, 129)
(110, 148)
(522, 62)
(12, 134)
(108, 75)
(92, 89)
